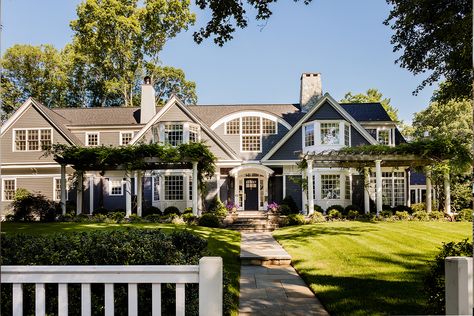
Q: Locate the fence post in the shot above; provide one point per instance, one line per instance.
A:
(458, 285)
(210, 286)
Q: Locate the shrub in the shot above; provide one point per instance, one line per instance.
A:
(402, 208)
(296, 219)
(421, 216)
(386, 207)
(464, 215)
(189, 218)
(334, 214)
(188, 210)
(217, 207)
(153, 218)
(336, 207)
(129, 246)
(66, 217)
(317, 217)
(436, 215)
(318, 208)
(82, 218)
(100, 210)
(403, 215)
(150, 210)
(134, 218)
(434, 280)
(117, 216)
(386, 214)
(284, 209)
(209, 220)
(418, 207)
(290, 202)
(351, 208)
(29, 207)
(171, 210)
(177, 220)
(368, 217)
(352, 214)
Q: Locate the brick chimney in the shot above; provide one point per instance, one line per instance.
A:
(310, 90)
(147, 105)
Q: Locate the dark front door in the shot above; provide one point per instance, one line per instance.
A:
(251, 194)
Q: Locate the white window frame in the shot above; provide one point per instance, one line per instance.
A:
(39, 129)
(54, 189)
(390, 135)
(121, 137)
(188, 128)
(304, 134)
(341, 189)
(87, 139)
(3, 188)
(165, 183)
(317, 134)
(391, 179)
(110, 181)
(153, 183)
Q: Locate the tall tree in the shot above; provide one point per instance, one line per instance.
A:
(435, 37)
(117, 37)
(372, 95)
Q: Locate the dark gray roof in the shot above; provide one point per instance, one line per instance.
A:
(209, 114)
(99, 116)
(366, 112)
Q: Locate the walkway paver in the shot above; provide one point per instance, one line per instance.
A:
(273, 290)
(262, 248)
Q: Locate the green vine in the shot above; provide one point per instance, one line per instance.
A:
(135, 157)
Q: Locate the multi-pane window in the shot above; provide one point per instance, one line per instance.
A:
(92, 139)
(57, 189)
(372, 132)
(190, 189)
(251, 143)
(330, 186)
(174, 134)
(347, 188)
(193, 134)
(347, 135)
(330, 133)
(32, 139)
(9, 188)
(399, 191)
(393, 188)
(384, 137)
(156, 188)
(309, 135)
(174, 187)
(116, 186)
(233, 127)
(268, 126)
(125, 138)
(251, 125)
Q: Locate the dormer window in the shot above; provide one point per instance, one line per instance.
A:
(176, 133)
(309, 135)
(383, 135)
(330, 134)
(173, 134)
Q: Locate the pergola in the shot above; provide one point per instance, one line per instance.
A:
(132, 159)
(366, 160)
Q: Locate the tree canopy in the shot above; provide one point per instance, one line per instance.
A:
(372, 95)
(435, 37)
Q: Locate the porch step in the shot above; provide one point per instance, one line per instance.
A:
(252, 222)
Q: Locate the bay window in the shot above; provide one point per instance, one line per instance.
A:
(309, 135)
(333, 134)
(173, 134)
(329, 133)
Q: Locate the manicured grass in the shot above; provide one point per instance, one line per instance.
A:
(221, 242)
(362, 268)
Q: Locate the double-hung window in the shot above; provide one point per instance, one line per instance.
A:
(57, 189)
(330, 186)
(193, 134)
(34, 139)
(174, 188)
(173, 134)
(92, 139)
(309, 135)
(8, 189)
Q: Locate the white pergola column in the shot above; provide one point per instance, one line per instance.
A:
(63, 189)
(195, 188)
(79, 191)
(128, 196)
(447, 193)
(366, 191)
(428, 190)
(378, 185)
(91, 194)
(139, 192)
(408, 187)
(310, 187)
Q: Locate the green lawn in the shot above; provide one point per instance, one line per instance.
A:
(221, 242)
(368, 268)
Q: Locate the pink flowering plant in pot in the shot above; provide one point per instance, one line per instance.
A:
(231, 207)
(273, 207)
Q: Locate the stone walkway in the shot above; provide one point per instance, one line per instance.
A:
(272, 290)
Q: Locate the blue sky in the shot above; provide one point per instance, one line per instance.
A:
(343, 40)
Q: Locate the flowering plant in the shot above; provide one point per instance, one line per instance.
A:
(231, 206)
(272, 207)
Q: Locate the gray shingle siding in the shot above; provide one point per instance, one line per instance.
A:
(288, 149)
(325, 112)
(294, 190)
(357, 139)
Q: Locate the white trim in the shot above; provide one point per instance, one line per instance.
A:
(54, 188)
(320, 102)
(16, 165)
(87, 139)
(241, 114)
(49, 175)
(235, 171)
(153, 177)
(16, 115)
(121, 137)
(109, 185)
(3, 187)
(14, 130)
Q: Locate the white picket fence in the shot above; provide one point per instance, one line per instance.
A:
(208, 274)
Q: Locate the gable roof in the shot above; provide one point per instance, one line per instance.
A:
(99, 116)
(174, 100)
(54, 119)
(366, 112)
(326, 98)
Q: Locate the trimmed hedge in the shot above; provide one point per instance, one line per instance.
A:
(171, 210)
(117, 247)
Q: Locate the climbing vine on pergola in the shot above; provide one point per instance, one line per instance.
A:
(136, 157)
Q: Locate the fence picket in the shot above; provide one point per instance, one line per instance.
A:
(180, 299)
(40, 300)
(156, 299)
(132, 299)
(109, 299)
(17, 299)
(85, 299)
(62, 299)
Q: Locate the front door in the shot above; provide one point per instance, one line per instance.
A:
(251, 194)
